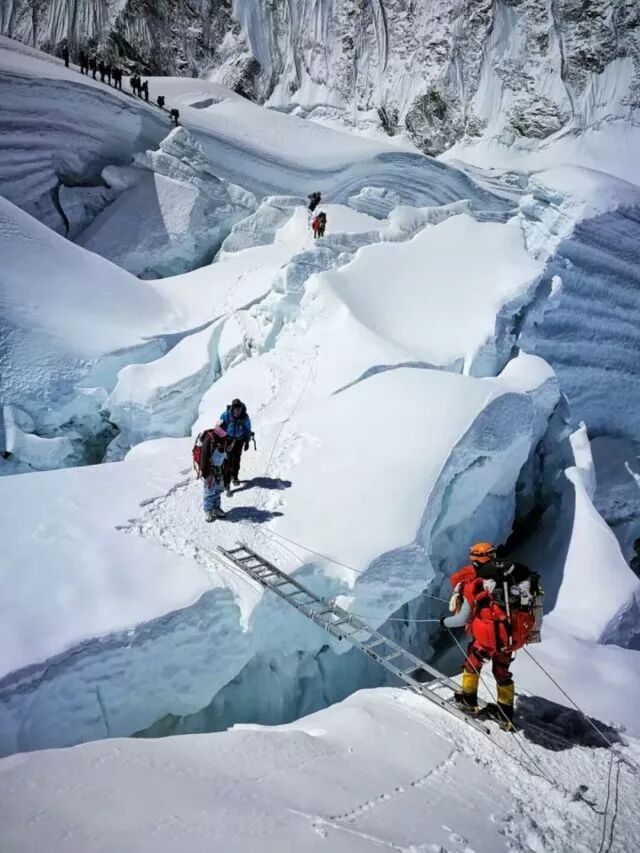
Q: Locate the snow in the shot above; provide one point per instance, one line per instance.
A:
(430, 784)
(90, 560)
(383, 536)
(413, 378)
(592, 546)
(83, 126)
(188, 211)
(63, 308)
(584, 225)
(411, 293)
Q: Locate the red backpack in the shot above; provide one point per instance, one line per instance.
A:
(206, 442)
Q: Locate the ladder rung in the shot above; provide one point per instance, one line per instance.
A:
(395, 655)
(410, 670)
(290, 595)
(342, 621)
(375, 643)
(322, 612)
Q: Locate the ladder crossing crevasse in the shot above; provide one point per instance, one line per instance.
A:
(344, 625)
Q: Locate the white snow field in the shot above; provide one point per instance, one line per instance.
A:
(382, 770)
(427, 375)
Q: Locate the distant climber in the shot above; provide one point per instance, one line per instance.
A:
(174, 114)
(108, 71)
(498, 602)
(117, 77)
(83, 62)
(314, 200)
(318, 224)
(93, 65)
(209, 459)
(144, 88)
(65, 56)
(160, 101)
(102, 68)
(237, 424)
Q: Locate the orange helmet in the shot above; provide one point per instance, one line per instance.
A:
(482, 552)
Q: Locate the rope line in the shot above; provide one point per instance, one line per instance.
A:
(347, 566)
(609, 743)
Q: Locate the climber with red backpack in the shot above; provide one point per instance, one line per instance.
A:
(209, 460)
(500, 604)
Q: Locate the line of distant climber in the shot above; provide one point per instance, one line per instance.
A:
(112, 75)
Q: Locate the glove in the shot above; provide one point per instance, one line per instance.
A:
(441, 622)
(246, 445)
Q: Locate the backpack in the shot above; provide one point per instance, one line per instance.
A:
(206, 442)
(524, 607)
(523, 602)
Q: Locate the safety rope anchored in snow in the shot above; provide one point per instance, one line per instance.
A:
(615, 759)
(631, 764)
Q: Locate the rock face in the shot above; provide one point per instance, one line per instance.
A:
(442, 71)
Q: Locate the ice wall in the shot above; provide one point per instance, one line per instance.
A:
(586, 317)
(83, 129)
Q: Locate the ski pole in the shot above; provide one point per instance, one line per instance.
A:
(253, 438)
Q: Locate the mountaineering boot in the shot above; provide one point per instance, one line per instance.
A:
(467, 697)
(228, 492)
(506, 695)
(209, 516)
(236, 481)
(219, 512)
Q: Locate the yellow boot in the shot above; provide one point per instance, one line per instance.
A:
(506, 696)
(467, 697)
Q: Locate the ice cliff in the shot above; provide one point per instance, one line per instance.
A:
(518, 71)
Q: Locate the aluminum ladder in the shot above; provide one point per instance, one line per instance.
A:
(345, 626)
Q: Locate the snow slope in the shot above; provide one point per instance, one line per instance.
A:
(81, 127)
(430, 784)
(62, 307)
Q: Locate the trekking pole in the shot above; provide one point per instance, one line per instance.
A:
(507, 607)
(253, 439)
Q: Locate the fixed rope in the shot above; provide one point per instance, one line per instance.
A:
(632, 766)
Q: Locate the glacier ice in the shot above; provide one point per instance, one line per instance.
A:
(172, 215)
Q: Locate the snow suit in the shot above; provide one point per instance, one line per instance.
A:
(483, 611)
(238, 429)
(213, 486)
